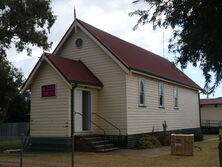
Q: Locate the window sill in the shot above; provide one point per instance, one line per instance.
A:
(162, 107)
(140, 105)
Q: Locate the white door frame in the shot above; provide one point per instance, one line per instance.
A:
(78, 127)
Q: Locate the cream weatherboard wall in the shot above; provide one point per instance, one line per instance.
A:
(144, 119)
(112, 97)
(210, 112)
(49, 115)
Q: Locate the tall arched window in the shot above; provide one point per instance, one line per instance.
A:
(161, 95)
(175, 96)
(141, 92)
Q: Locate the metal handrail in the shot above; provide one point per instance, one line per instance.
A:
(211, 123)
(104, 132)
(108, 122)
(27, 137)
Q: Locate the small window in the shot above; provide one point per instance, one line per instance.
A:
(141, 93)
(161, 94)
(175, 97)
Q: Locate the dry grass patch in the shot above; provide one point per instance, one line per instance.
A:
(206, 158)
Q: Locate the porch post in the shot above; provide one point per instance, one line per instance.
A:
(72, 122)
(199, 108)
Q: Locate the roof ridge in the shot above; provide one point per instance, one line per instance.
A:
(136, 57)
(139, 47)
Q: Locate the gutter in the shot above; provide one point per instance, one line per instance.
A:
(72, 121)
(164, 78)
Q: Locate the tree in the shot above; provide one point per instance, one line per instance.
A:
(24, 23)
(19, 108)
(196, 34)
(10, 81)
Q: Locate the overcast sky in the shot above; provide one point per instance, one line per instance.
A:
(112, 17)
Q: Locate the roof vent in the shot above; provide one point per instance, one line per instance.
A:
(79, 43)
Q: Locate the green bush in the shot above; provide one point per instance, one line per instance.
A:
(148, 142)
(164, 139)
(198, 135)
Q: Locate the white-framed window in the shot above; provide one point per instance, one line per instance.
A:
(175, 96)
(141, 92)
(161, 95)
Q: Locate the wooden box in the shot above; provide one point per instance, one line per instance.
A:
(220, 134)
(182, 144)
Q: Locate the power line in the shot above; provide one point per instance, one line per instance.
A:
(163, 44)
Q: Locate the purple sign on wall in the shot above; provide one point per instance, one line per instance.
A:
(48, 90)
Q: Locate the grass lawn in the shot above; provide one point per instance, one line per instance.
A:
(210, 136)
(208, 157)
(4, 145)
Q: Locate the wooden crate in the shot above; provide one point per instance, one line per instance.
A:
(220, 134)
(182, 144)
(220, 131)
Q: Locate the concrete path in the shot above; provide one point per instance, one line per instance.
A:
(211, 139)
(149, 152)
(143, 152)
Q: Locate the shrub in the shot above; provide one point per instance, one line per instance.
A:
(164, 139)
(148, 142)
(164, 127)
(198, 135)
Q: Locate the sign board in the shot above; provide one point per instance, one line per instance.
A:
(48, 90)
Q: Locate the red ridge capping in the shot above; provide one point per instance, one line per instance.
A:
(73, 71)
(211, 101)
(134, 57)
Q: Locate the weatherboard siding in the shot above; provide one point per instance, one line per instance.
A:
(145, 119)
(49, 115)
(210, 112)
(112, 97)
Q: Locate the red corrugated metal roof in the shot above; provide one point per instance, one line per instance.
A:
(139, 59)
(73, 71)
(211, 101)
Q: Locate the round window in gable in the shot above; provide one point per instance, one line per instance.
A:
(79, 42)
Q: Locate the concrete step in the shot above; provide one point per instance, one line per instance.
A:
(96, 144)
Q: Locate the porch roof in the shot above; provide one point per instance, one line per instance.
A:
(211, 101)
(73, 71)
